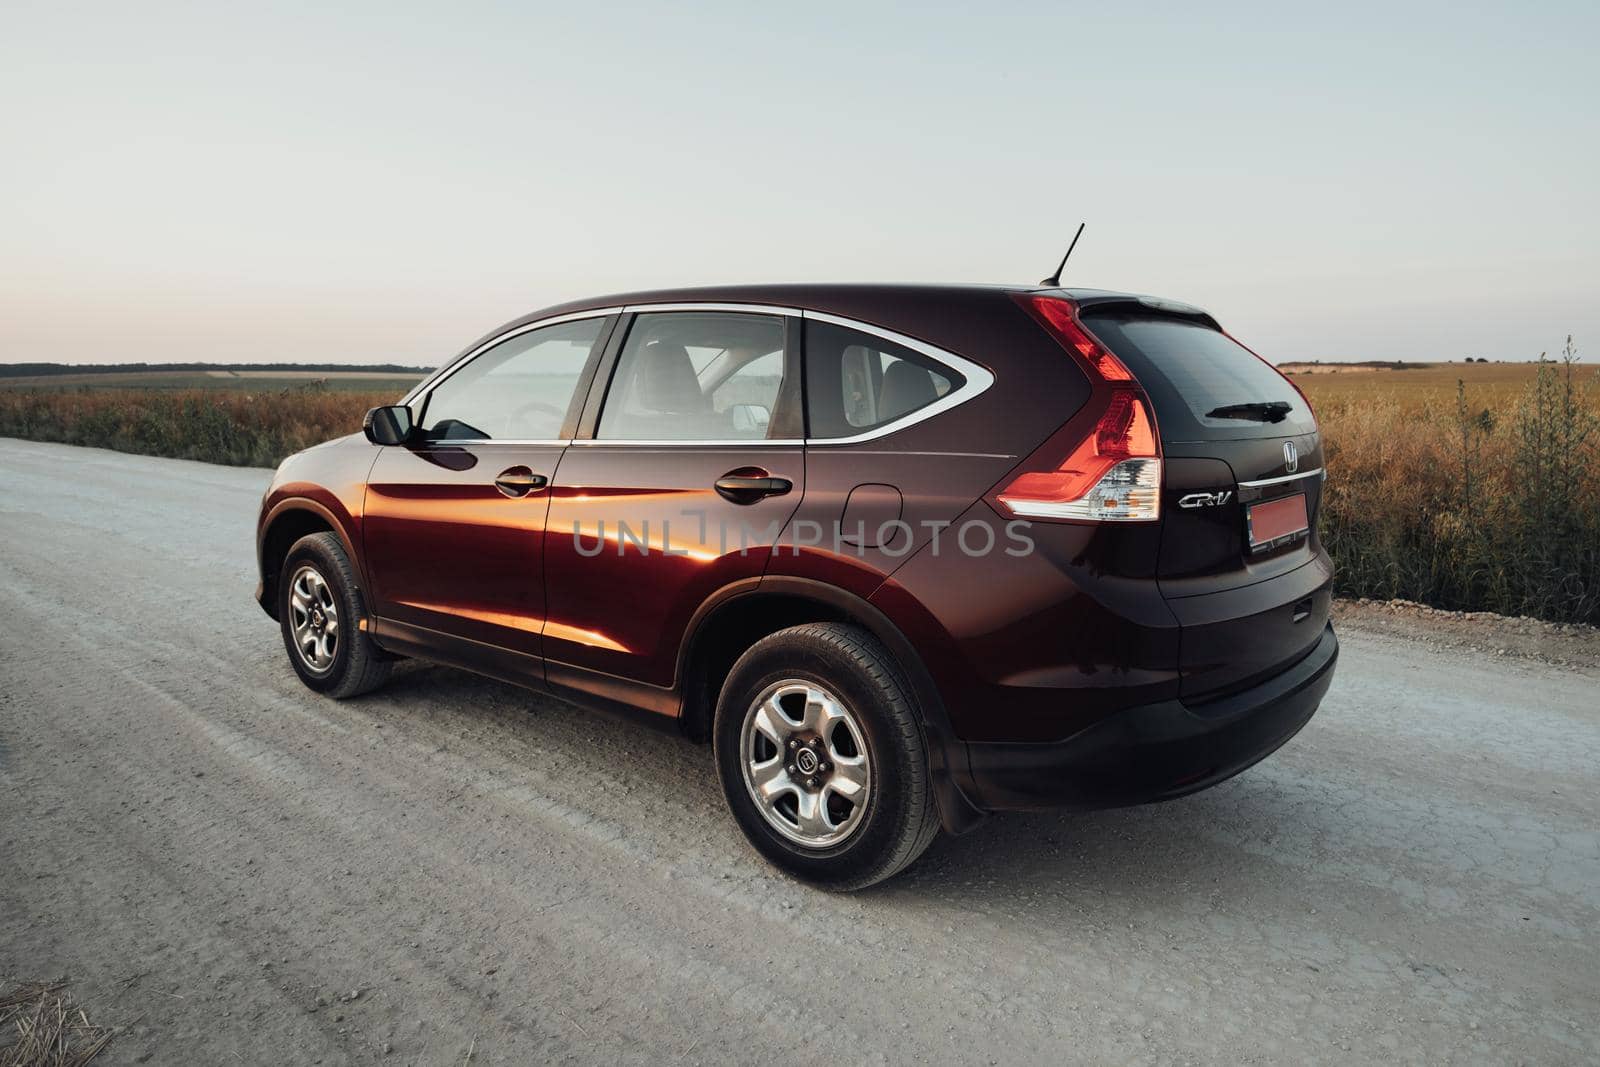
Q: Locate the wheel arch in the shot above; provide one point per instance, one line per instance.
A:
(287, 522)
(742, 614)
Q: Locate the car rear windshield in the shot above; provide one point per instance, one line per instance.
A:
(1205, 387)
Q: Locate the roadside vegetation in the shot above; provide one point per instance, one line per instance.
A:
(1464, 486)
(241, 429)
(265, 378)
(1483, 498)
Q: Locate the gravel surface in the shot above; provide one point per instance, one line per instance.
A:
(236, 870)
(1478, 633)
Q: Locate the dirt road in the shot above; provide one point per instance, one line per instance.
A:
(245, 872)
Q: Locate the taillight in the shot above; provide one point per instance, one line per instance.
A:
(1060, 318)
(1113, 471)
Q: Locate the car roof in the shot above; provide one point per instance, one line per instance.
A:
(898, 306)
(817, 296)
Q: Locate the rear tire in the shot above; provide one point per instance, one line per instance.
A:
(822, 759)
(321, 615)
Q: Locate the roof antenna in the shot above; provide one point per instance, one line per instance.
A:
(1055, 279)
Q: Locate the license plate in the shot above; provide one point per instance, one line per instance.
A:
(1276, 521)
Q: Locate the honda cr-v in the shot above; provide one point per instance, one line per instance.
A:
(905, 555)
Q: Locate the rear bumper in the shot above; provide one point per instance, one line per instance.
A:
(1155, 751)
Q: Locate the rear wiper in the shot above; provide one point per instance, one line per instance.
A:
(1258, 411)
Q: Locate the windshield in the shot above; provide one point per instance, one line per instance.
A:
(1204, 385)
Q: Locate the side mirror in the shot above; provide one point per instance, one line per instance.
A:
(390, 425)
(750, 418)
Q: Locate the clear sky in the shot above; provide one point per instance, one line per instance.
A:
(371, 182)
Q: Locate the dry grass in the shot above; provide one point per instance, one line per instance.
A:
(1486, 497)
(354, 381)
(241, 429)
(40, 1026)
(1420, 385)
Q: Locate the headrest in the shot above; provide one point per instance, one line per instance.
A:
(906, 387)
(666, 380)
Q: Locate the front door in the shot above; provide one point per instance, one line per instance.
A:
(694, 467)
(454, 523)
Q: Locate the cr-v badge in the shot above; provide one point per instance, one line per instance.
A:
(1205, 500)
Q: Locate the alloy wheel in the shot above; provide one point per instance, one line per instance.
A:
(806, 763)
(314, 619)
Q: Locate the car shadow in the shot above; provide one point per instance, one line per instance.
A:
(1239, 844)
(1224, 838)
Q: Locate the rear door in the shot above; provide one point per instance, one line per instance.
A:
(679, 484)
(1240, 561)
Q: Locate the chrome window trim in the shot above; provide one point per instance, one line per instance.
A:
(746, 442)
(751, 309)
(446, 442)
(1279, 481)
(978, 378)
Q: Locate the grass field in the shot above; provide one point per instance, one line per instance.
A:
(341, 381)
(238, 427)
(1469, 486)
(1489, 384)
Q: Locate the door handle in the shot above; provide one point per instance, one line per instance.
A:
(519, 481)
(748, 490)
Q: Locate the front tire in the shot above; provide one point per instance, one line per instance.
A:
(822, 758)
(320, 613)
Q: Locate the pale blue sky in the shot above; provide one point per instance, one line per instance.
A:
(374, 182)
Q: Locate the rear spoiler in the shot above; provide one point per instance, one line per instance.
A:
(1087, 299)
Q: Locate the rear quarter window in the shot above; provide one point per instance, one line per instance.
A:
(857, 382)
(1192, 372)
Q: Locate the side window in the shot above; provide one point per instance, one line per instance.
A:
(856, 382)
(519, 390)
(695, 376)
(748, 395)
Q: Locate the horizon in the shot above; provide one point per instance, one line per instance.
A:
(383, 184)
(312, 366)
(392, 367)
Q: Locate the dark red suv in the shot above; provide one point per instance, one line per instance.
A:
(905, 554)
